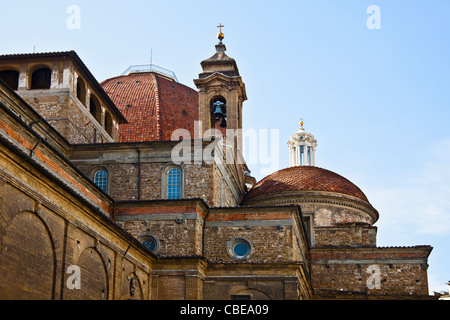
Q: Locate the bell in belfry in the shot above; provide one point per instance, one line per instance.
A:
(218, 110)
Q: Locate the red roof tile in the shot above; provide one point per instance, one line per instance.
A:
(153, 105)
(305, 178)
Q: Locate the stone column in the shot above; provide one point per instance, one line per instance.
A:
(292, 155)
(23, 77)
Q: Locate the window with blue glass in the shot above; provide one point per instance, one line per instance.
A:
(150, 241)
(101, 179)
(174, 184)
(239, 248)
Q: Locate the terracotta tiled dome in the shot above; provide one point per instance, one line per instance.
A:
(153, 105)
(304, 178)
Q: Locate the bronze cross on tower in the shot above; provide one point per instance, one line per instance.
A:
(220, 36)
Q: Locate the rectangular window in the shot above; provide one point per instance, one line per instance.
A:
(302, 156)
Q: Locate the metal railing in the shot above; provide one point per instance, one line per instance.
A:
(150, 68)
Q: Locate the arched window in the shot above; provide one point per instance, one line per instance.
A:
(172, 182)
(41, 79)
(108, 124)
(101, 179)
(81, 90)
(11, 78)
(95, 109)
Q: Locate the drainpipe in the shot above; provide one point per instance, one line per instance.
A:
(40, 139)
(139, 172)
(34, 148)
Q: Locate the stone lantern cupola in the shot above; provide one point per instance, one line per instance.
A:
(302, 148)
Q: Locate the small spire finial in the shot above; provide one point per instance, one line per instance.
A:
(301, 123)
(220, 35)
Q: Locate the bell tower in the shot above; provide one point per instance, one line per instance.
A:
(221, 93)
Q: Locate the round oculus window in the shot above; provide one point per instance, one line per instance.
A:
(239, 248)
(151, 242)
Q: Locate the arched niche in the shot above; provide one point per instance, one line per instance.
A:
(27, 260)
(93, 277)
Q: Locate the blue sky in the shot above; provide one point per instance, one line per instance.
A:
(377, 100)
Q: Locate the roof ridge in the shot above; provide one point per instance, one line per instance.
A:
(38, 54)
(158, 107)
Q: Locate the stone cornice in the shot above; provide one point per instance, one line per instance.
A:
(303, 197)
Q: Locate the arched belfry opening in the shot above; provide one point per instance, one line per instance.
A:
(218, 108)
(11, 78)
(81, 90)
(41, 79)
(95, 108)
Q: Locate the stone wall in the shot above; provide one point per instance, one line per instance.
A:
(57, 108)
(346, 235)
(137, 172)
(124, 180)
(269, 243)
(177, 228)
(364, 273)
(271, 234)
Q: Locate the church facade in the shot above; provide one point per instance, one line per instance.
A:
(136, 188)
